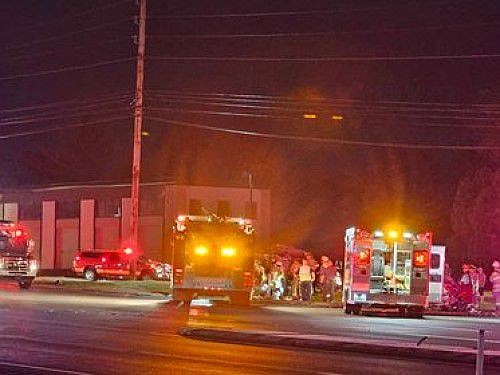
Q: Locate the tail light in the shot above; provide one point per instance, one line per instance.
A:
(420, 258)
(178, 276)
(363, 257)
(247, 279)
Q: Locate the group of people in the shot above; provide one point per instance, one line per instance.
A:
(285, 277)
(468, 292)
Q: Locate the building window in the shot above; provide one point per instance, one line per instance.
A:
(251, 210)
(67, 209)
(30, 210)
(195, 207)
(223, 209)
(107, 207)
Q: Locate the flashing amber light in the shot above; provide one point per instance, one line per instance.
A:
(310, 116)
(393, 234)
(337, 117)
(128, 250)
(420, 258)
(228, 251)
(201, 250)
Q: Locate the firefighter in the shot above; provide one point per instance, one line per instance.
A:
(495, 283)
(327, 273)
(306, 279)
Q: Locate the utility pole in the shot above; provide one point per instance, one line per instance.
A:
(138, 114)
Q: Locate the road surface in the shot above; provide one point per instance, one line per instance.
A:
(44, 332)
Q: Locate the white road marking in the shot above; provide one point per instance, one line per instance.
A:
(50, 369)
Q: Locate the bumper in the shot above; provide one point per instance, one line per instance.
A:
(185, 294)
(386, 299)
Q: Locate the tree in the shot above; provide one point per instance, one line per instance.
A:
(475, 216)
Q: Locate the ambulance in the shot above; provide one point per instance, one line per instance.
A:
(386, 271)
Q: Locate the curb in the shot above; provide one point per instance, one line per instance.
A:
(252, 338)
(100, 292)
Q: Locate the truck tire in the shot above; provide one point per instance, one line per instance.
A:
(90, 274)
(25, 283)
(352, 308)
(415, 312)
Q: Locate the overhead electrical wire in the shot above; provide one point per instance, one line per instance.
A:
(65, 35)
(108, 121)
(66, 50)
(324, 59)
(319, 33)
(272, 104)
(300, 119)
(67, 69)
(77, 101)
(312, 99)
(321, 12)
(335, 141)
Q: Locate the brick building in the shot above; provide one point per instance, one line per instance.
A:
(62, 219)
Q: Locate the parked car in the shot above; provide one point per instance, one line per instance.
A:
(162, 271)
(94, 264)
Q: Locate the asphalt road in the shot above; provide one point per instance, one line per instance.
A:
(453, 331)
(44, 332)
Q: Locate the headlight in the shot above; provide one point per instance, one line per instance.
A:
(33, 266)
(228, 251)
(201, 250)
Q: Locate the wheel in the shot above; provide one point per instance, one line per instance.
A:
(25, 283)
(356, 309)
(90, 274)
(348, 309)
(415, 312)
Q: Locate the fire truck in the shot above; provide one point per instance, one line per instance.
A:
(386, 271)
(16, 259)
(213, 258)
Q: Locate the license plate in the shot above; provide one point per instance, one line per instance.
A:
(212, 283)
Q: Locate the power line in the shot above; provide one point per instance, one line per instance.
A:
(65, 102)
(272, 104)
(108, 121)
(256, 97)
(54, 52)
(319, 33)
(36, 119)
(67, 69)
(324, 59)
(326, 140)
(300, 119)
(313, 12)
(65, 35)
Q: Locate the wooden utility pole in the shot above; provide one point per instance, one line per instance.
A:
(138, 113)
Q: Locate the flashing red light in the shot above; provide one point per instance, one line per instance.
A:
(77, 257)
(128, 251)
(420, 258)
(363, 257)
(103, 260)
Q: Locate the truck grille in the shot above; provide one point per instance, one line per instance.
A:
(15, 265)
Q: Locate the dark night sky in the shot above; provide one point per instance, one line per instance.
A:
(318, 189)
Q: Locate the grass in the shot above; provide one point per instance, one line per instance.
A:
(124, 286)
